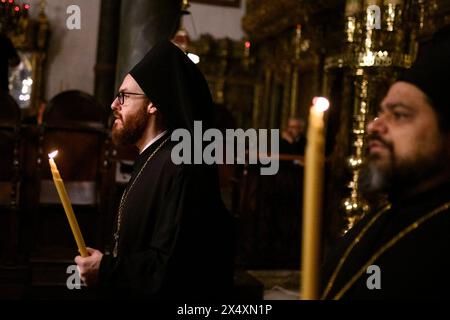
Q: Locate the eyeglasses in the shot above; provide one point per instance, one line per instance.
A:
(121, 96)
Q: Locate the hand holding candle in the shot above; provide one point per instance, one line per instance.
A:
(67, 205)
(312, 200)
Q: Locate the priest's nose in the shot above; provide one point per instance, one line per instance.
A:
(115, 105)
(377, 125)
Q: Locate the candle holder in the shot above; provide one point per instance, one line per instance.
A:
(355, 205)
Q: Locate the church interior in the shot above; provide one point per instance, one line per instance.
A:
(264, 62)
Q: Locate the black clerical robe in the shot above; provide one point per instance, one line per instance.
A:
(415, 267)
(176, 236)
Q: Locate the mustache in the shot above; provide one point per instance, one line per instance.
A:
(378, 138)
(117, 115)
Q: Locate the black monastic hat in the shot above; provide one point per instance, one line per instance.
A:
(431, 72)
(175, 85)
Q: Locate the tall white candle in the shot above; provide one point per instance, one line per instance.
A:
(312, 200)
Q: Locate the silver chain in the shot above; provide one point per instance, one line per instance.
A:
(124, 197)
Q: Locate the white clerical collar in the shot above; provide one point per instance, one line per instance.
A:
(153, 140)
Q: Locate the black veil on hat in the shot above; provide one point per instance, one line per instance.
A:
(431, 72)
(175, 85)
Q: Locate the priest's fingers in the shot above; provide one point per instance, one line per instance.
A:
(89, 266)
(78, 260)
(80, 267)
(90, 250)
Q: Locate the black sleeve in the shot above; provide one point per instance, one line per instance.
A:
(144, 273)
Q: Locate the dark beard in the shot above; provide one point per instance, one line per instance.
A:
(132, 130)
(375, 179)
(399, 175)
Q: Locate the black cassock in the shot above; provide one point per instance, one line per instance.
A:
(176, 237)
(416, 266)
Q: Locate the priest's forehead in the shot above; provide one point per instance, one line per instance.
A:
(405, 94)
(130, 85)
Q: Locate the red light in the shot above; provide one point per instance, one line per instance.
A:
(27, 6)
(10, 1)
(247, 44)
(3, 1)
(16, 8)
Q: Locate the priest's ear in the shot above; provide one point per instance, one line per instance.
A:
(151, 108)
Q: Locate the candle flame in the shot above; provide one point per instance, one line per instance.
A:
(321, 104)
(53, 154)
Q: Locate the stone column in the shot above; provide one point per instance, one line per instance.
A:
(108, 36)
(142, 24)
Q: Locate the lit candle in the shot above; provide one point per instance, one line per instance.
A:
(67, 205)
(312, 200)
